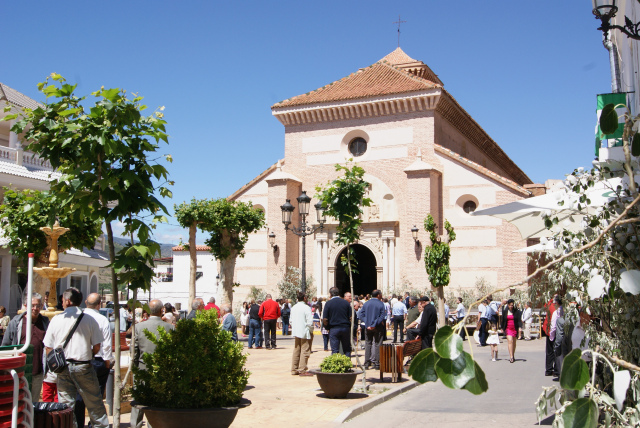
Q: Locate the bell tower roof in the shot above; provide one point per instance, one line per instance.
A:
(399, 59)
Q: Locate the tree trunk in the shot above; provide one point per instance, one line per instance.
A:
(116, 313)
(354, 344)
(193, 265)
(440, 293)
(227, 268)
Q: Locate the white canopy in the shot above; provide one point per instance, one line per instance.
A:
(527, 214)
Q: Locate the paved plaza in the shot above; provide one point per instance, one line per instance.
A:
(280, 399)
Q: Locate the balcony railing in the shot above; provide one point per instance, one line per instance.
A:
(23, 158)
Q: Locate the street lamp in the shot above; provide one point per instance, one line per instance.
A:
(414, 233)
(272, 241)
(605, 10)
(304, 229)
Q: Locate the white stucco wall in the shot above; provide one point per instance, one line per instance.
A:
(178, 290)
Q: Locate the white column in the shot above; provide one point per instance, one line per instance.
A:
(385, 266)
(325, 268)
(5, 281)
(392, 263)
(317, 268)
(13, 137)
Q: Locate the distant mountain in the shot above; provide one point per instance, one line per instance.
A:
(165, 249)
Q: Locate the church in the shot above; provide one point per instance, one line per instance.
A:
(422, 153)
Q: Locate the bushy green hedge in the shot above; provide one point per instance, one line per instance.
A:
(195, 366)
(336, 363)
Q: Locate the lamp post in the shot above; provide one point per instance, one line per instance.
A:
(304, 229)
(605, 10)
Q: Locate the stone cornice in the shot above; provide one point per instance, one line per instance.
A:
(358, 109)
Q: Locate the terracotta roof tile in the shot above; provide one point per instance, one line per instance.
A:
(376, 80)
(398, 57)
(16, 98)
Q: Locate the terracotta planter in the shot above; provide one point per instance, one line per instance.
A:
(180, 418)
(336, 385)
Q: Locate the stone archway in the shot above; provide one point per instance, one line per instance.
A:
(366, 280)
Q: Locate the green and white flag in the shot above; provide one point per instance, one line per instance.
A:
(615, 139)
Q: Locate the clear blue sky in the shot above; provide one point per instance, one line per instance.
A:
(528, 72)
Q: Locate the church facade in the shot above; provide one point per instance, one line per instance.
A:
(422, 153)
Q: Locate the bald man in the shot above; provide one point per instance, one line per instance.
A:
(103, 360)
(145, 346)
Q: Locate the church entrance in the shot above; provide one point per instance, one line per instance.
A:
(365, 281)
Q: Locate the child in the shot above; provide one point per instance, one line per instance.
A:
(493, 340)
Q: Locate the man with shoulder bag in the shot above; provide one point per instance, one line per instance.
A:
(75, 339)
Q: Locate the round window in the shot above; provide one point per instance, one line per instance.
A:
(358, 146)
(469, 207)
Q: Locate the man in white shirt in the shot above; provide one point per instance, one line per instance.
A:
(399, 313)
(125, 317)
(302, 332)
(482, 316)
(79, 376)
(527, 319)
(103, 360)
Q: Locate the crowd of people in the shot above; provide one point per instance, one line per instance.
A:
(366, 321)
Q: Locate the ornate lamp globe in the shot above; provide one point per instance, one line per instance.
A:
(287, 210)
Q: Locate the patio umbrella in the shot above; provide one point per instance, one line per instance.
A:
(543, 247)
(527, 214)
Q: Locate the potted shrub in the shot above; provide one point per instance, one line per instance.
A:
(336, 375)
(195, 377)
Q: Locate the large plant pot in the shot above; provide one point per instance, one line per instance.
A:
(336, 385)
(180, 418)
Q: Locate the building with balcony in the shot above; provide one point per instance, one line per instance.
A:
(21, 169)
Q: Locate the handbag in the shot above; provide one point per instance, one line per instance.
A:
(56, 361)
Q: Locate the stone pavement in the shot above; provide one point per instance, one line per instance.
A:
(513, 390)
(280, 399)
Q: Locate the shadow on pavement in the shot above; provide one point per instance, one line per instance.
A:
(350, 396)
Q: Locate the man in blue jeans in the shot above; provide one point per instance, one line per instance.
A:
(374, 316)
(255, 326)
(337, 319)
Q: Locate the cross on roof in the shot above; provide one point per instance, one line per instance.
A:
(399, 21)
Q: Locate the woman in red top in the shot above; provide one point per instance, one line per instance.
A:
(511, 325)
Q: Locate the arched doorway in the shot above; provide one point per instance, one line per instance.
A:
(365, 281)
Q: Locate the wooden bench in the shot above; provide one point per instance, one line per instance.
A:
(392, 358)
(123, 341)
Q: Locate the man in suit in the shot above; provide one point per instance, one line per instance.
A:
(196, 306)
(427, 328)
(145, 346)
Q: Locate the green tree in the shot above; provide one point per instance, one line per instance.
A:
(290, 285)
(195, 214)
(229, 224)
(24, 212)
(343, 199)
(599, 275)
(436, 260)
(107, 156)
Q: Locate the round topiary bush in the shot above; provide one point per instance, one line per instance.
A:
(195, 366)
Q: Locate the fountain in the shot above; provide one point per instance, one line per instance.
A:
(53, 272)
